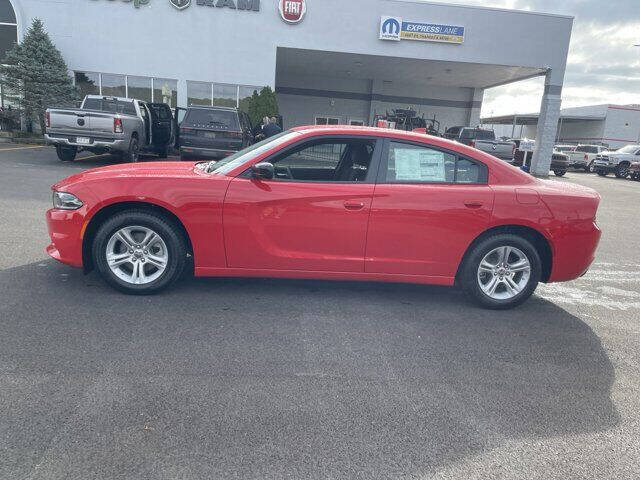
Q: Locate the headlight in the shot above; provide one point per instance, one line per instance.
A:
(66, 201)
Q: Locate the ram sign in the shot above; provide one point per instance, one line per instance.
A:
(396, 29)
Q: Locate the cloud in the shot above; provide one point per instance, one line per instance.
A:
(603, 65)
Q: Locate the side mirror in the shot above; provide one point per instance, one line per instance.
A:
(264, 170)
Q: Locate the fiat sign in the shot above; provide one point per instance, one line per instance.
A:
(293, 11)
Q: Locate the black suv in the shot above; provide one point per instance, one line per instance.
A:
(213, 132)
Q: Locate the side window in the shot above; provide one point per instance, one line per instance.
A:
(468, 171)
(411, 163)
(327, 161)
(408, 163)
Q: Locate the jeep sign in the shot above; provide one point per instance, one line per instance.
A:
(293, 11)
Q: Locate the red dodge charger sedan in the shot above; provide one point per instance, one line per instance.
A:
(339, 203)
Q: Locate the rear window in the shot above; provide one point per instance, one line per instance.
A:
(110, 105)
(210, 118)
(586, 149)
(453, 131)
(477, 134)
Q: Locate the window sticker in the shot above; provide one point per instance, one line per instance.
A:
(421, 165)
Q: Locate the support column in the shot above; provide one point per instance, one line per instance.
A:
(476, 106)
(547, 127)
(375, 106)
(182, 93)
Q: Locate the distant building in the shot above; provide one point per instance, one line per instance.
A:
(610, 125)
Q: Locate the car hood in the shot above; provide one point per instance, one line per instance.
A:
(136, 170)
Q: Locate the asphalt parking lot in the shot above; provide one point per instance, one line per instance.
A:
(272, 379)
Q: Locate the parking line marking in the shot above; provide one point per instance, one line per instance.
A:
(21, 148)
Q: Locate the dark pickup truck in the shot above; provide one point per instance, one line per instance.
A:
(482, 139)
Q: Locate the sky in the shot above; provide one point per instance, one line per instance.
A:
(603, 64)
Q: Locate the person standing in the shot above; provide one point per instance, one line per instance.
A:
(272, 128)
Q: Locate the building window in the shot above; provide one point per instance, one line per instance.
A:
(88, 83)
(113, 85)
(139, 88)
(324, 120)
(225, 95)
(8, 28)
(198, 93)
(165, 90)
(356, 122)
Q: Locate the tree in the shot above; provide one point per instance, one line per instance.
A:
(36, 71)
(263, 105)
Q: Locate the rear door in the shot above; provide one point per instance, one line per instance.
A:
(429, 205)
(312, 216)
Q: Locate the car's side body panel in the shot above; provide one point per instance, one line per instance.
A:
(351, 231)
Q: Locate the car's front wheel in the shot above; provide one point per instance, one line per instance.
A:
(501, 271)
(559, 173)
(139, 252)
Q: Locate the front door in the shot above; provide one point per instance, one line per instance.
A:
(312, 216)
(428, 206)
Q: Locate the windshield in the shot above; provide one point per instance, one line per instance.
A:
(210, 118)
(225, 165)
(629, 149)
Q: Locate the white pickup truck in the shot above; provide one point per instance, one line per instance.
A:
(617, 162)
(583, 156)
(117, 125)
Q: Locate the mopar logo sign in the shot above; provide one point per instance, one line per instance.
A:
(394, 28)
(390, 28)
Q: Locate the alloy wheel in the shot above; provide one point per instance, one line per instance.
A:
(504, 272)
(137, 255)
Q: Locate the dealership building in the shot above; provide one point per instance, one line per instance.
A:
(329, 61)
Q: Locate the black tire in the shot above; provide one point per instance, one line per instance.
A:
(166, 229)
(162, 152)
(589, 168)
(559, 173)
(622, 170)
(133, 154)
(469, 272)
(66, 154)
(602, 173)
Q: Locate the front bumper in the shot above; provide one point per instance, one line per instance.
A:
(104, 143)
(65, 230)
(603, 166)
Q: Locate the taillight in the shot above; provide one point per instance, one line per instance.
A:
(117, 125)
(586, 157)
(47, 119)
(472, 144)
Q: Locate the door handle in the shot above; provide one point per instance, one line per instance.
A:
(354, 205)
(473, 204)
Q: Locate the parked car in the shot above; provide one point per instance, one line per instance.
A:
(583, 156)
(634, 171)
(116, 125)
(617, 162)
(213, 132)
(302, 205)
(559, 161)
(482, 139)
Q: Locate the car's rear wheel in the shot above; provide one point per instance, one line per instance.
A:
(66, 154)
(589, 168)
(501, 271)
(133, 154)
(602, 173)
(139, 252)
(622, 170)
(559, 173)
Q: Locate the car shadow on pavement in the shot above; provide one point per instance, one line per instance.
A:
(232, 378)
